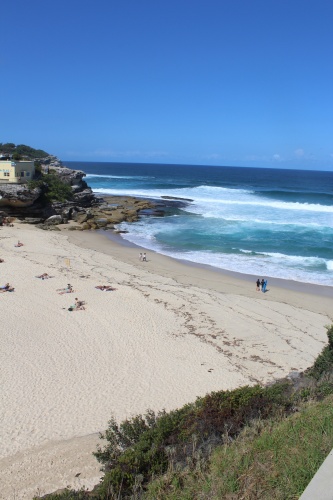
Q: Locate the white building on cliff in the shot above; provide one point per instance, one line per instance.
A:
(17, 172)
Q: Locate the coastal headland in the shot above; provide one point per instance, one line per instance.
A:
(168, 333)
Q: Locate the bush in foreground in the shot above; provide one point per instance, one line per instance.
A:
(269, 460)
(261, 445)
(144, 447)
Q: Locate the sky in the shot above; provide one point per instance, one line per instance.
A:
(210, 82)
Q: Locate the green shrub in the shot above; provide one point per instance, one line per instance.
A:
(324, 361)
(22, 150)
(141, 446)
(53, 189)
(136, 448)
(228, 411)
(38, 168)
(56, 189)
(29, 152)
(16, 156)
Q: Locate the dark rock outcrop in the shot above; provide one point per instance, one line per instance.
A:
(175, 198)
(74, 178)
(53, 220)
(18, 200)
(18, 195)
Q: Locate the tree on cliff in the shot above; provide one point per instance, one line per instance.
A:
(53, 188)
(22, 150)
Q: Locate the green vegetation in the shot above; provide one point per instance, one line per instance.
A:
(16, 156)
(274, 459)
(250, 443)
(21, 151)
(324, 362)
(53, 189)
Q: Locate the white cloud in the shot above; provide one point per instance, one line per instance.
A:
(299, 153)
(276, 157)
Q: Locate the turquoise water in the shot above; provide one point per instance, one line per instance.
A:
(265, 222)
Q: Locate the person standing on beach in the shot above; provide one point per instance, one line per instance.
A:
(258, 285)
(144, 258)
(263, 289)
(262, 283)
(140, 256)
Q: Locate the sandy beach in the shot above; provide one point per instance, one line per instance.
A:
(169, 332)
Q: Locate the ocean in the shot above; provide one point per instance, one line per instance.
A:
(263, 222)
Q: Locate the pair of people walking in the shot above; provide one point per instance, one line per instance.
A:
(261, 285)
(143, 257)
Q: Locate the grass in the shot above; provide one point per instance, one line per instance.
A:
(272, 460)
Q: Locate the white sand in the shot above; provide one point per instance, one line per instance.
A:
(169, 333)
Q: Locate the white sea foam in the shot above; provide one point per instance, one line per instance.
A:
(296, 260)
(237, 205)
(230, 217)
(247, 265)
(233, 213)
(269, 264)
(245, 251)
(131, 192)
(307, 225)
(101, 176)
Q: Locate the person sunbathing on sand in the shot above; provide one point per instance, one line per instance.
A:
(79, 305)
(44, 276)
(19, 244)
(69, 289)
(6, 288)
(107, 288)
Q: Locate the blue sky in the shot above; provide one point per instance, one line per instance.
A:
(216, 82)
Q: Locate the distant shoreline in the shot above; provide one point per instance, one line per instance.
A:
(298, 286)
(111, 243)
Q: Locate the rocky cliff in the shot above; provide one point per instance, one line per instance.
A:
(83, 207)
(18, 195)
(21, 200)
